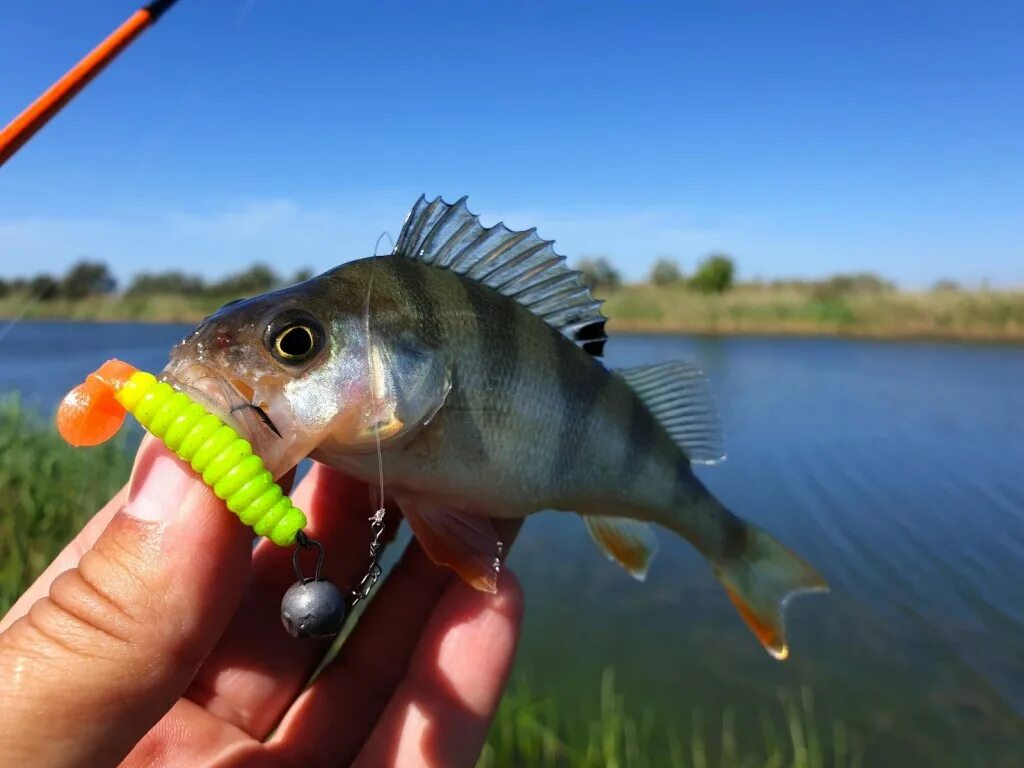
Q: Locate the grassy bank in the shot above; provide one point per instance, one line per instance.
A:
(746, 309)
(158, 308)
(48, 490)
(751, 309)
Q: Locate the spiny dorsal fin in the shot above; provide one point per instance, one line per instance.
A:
(520, 265)
(680, 398)
(630, 543)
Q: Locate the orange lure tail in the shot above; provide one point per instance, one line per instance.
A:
(89, 413)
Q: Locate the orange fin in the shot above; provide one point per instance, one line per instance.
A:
(761, 581)
(466, 543)
(630, 543)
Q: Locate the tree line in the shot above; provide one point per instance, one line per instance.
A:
(94, 278)
(717, 274)
(714, 274)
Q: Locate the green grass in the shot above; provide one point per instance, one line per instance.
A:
(755, 309)
(552, 733)
(48, 490)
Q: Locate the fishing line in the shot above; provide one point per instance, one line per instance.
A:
(9, 326)
(372, 369)
(313, 603)
(376, 250)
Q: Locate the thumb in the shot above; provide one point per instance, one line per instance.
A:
(97, 662)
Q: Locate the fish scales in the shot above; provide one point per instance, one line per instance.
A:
(553, 425)
(508, 407)
(537, 399)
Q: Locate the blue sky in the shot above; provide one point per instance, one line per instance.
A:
(803, 138)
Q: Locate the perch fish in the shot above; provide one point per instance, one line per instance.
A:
(473, 355)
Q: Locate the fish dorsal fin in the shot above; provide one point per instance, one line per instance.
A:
(519, 265)
(679, 397)
(630, 543)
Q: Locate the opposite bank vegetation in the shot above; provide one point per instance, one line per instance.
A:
(49, 490)
(708, 302)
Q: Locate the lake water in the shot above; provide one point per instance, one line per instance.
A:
(896, 468)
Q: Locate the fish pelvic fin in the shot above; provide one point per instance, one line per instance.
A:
(630, 543)
(465, 542)
(760, 581)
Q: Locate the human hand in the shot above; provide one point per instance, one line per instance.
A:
(155, 639)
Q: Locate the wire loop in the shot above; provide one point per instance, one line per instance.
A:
(303, 542)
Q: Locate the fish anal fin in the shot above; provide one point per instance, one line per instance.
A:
(679, 397)
(630, 543)
(465, 542)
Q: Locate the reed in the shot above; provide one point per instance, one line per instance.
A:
(48, 491)
(542, 732)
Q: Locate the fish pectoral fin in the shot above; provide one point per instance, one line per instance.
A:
(465, 542)
(630, 543)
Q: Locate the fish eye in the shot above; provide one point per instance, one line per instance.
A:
(294, 339)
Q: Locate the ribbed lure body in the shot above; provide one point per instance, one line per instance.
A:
(217, 452)
(223, 458)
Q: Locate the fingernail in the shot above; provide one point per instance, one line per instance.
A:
(160, 484)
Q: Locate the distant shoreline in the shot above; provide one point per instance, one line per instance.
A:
(821, 332)
(973, 317)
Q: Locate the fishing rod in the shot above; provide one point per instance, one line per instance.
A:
(38, 113)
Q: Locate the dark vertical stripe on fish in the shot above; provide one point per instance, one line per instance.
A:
(640, 444)
(496, 360)
(735, 533)
(687, 491)
(411, 282)
(581, 392)
(499, 351)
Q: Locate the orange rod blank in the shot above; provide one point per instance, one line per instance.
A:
(39, 112)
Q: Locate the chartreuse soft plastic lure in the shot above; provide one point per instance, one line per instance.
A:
(94, 410)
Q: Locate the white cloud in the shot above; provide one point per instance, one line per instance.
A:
(278, 231)
(287, 235)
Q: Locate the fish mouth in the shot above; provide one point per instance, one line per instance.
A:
(255, 408)
(261, 413)
(232, 399)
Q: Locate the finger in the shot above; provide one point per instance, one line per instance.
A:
(94, 664)
(72, 553)
(330, 721)
(67, 559)
(257, 670)
(356, 687)
(440, 713)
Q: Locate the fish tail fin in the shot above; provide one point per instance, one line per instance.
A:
(760, 580)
